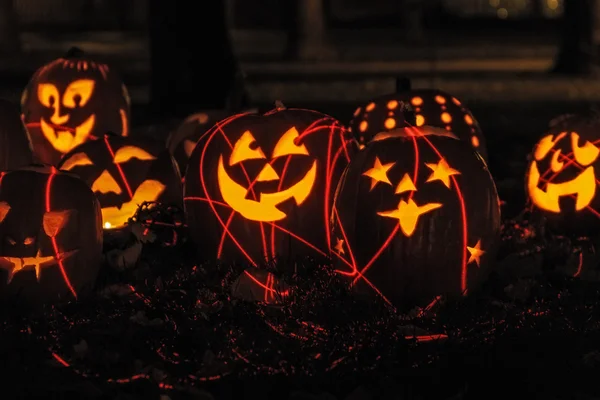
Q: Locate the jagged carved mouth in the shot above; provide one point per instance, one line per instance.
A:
(13, 265)
(583, 187)
(63, 140)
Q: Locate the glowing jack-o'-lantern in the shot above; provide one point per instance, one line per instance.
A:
(15, 145)
(416, 215)
(430, 107)
(561, 176)
(259, 187)
(182, 140)
(70, 100)
(50, 232)
(124, 173)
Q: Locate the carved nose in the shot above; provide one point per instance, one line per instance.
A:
(267, 174)
(58, 119)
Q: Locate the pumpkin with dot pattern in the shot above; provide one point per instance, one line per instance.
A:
(418, 107)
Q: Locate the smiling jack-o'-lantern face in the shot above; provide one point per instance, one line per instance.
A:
(258, 186)
(426, 106)
(51, 238)
(124, 173)
(71, 100)
(416, 215)
(561, 177)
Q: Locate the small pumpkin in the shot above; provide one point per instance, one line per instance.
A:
(70, 100)
(259, 187)
(15, 145)
(430, 107)
(182, 140)
(416, 215)
(561, 179)
(51, 235)
(124, 172)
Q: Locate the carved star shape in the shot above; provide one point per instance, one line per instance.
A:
(408, 213)
(379, 173)
(476, 253)
(339, 247)
(441, 171)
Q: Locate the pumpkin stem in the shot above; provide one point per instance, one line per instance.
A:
(74, 52)
(402, 84)
(279, 105)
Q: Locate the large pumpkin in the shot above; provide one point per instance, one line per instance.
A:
(260, 186)
(124, 173)
(51, 235)
(416, 215)
(561, 176)
(182, 140)
(15, 145)
(70, 100)
(430, 107)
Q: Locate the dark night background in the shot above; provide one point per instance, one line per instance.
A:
(515, 63)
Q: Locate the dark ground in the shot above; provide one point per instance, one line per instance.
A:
(492, 352)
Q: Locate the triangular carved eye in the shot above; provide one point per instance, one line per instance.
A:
(287, 144)
(55, 221)
(4, 209)
(242, 150)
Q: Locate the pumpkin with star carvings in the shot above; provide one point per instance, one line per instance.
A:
(416, 215)
(51, 235)
(410, 107)
(561, 179)
(183, 138)
(124, 172)
(70, 100)
(259, 187)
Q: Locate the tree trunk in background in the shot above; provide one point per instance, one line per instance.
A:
(10, 41)
(307, 31)
(193, 65)
(577, 50)
(412, 20)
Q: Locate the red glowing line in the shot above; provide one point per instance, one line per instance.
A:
(223, 235)
(463, 211)
(580, 266)
(268, 286)
(59, 260)
(300, 239)
(123, 177)
(249, 183)
(328, 174)
(54, 126)
(210, 203)
(60, 360)
(279, 187)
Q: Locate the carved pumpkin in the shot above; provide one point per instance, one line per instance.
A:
(124, 173)
(182, 140)
(260, 187)
(416, 215)
(51, 233)
(431, 107)
(15, 145)
(561, 176)
(70, 100)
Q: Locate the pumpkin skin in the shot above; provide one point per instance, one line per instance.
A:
(431, 107)
(561, 175)
(15, 145)
(51, 232)
(182, 140)
(71, 100)
(123, 173)
(431, 176)
(294, 156)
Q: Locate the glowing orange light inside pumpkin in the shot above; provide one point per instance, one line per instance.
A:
(416, 101)
(440, 100)
(392, 104)
(370, 107)
(583, 187)
(390, 123)
(420, 120)
(446, 118)
(363, 126)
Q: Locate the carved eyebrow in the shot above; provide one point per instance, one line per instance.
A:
(75, 160)
(126, 153)
(4, 209)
